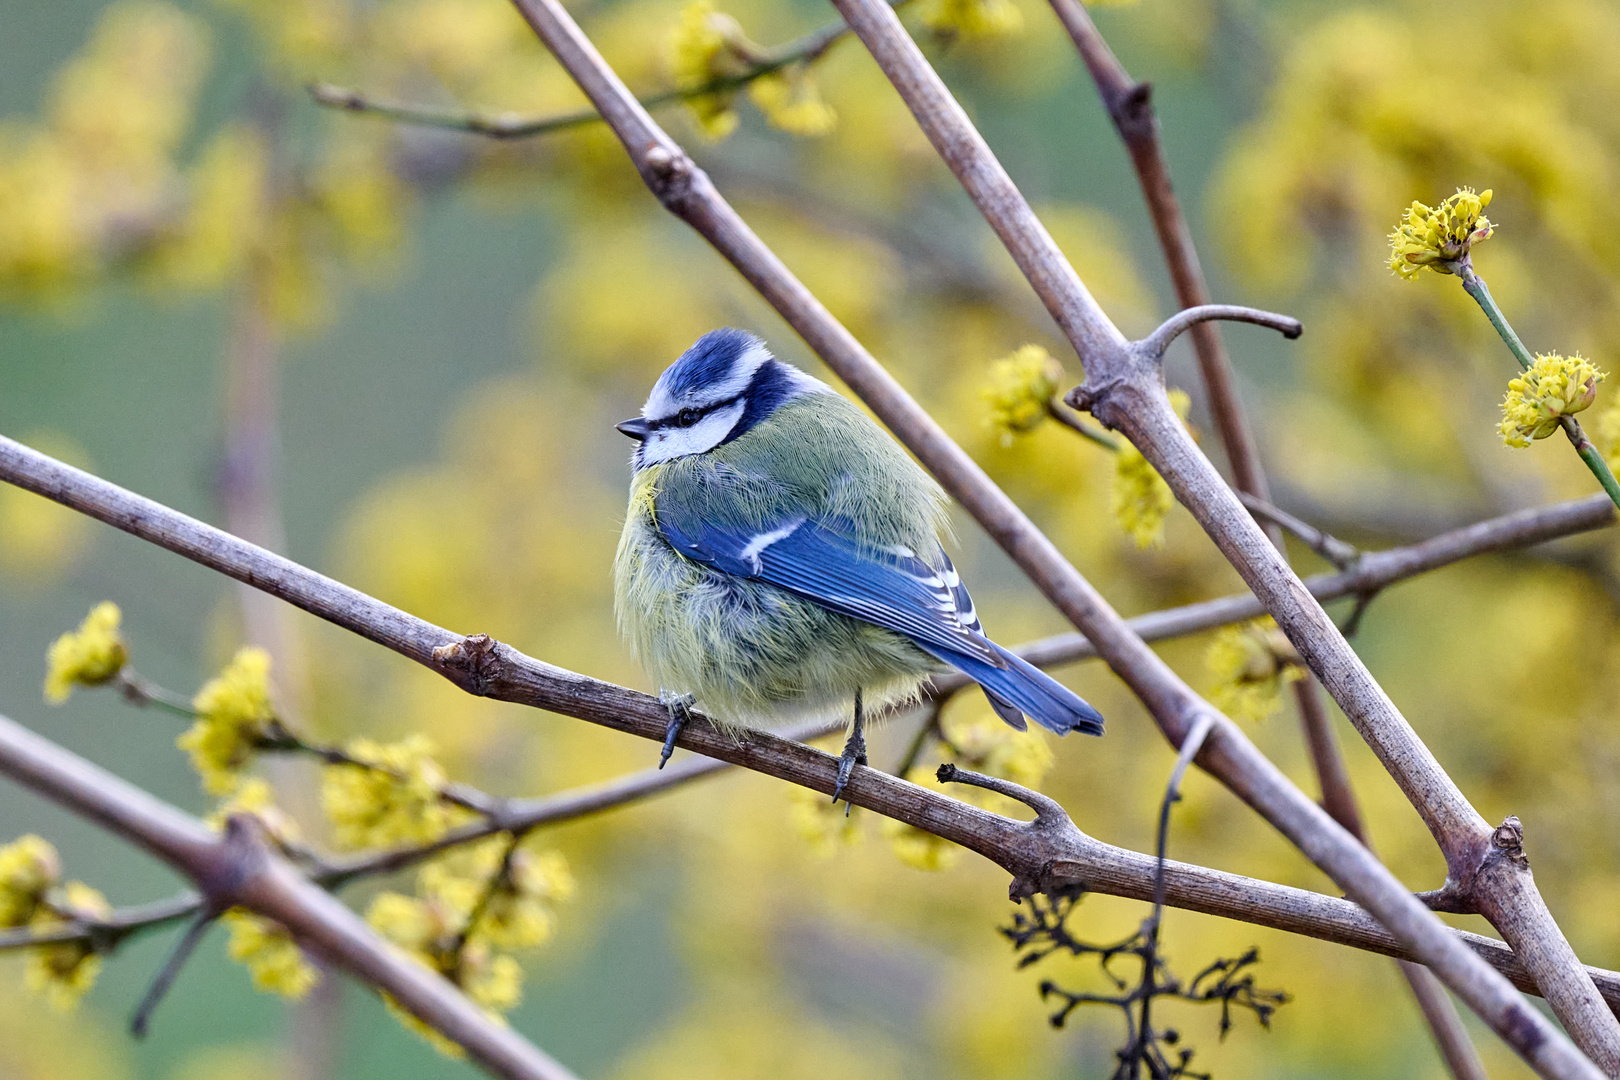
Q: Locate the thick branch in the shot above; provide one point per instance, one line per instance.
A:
(239, 869)
(1126, 384)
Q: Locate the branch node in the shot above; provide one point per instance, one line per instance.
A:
(1091, 392)
(1507, 842)
(475, 659)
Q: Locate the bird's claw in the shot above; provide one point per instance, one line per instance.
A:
(679, 707)
(854, 754)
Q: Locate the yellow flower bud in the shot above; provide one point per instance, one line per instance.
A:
(707, 44)
(270, 954)
(396, 800)
(29, 866)
(917, 847)
(64, 972)
(822, 823)
(1554, 387)
(1250, 664)
(792, 102)
(89, 656)
(234, 715)
(1435, 236)
(969, 19)
(1020, 389)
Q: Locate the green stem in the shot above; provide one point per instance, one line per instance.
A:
(1475, 286)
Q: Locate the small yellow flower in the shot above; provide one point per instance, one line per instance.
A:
(1433, 237)
(791, 101)
(428, 930)
(1250, 664)
(1020, 390)
(270, 954)
(89, 656)
(917, 847)
(969, 19)
(522, 912)
(707, 44)
(64, 972)
(393, 798)
(234, 715)
(1140, 497)
(1554, 387)
(29, 866)
(822, 823)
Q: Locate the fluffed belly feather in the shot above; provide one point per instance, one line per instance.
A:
(749, 652)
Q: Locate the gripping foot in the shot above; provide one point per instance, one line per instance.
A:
(679, 706)
(854, 751)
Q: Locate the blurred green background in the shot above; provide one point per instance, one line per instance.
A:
(452, 326)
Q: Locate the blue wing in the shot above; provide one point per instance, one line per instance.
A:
(891, 588)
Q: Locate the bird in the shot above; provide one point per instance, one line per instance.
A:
(781, 556)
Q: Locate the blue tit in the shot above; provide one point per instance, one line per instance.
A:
(781, 556)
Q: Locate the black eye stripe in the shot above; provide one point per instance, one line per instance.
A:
(693, 416)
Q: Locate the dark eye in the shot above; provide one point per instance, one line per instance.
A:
(688, 417)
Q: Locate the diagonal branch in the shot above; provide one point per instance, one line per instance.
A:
(1125, 389)
(240, 869)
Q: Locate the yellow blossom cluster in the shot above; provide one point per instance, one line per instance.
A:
(791, 100)
(270, 954)
(30, 869)
(708, 46)
(1250, 664)
(824, 825)
(917, 847)
(91, 655)
(1435, 236)
(1552, 388)
(472, 903)
(973, 19)
(64, 971)
(234, 716)
(392, 794)
(1140, 498)
(29, 866)
(984, 744)
(1020, 389)
(101, 164)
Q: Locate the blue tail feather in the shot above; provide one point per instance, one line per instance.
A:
(1029, 690)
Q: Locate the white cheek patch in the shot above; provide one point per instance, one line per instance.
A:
(666, 444)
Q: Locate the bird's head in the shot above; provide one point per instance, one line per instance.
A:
(722, 386)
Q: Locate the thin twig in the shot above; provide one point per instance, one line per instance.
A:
(184, 946)
(1072, 420)
(1330, 547)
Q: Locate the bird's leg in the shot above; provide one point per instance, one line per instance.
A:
(679, 706)
(854, 750)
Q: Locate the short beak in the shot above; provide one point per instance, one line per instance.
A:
(635, 427)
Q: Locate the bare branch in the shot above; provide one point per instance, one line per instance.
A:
(238, 869)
